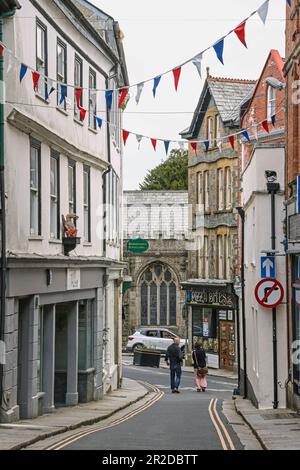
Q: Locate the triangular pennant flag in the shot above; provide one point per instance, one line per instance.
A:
(241, 33)
(35, 79)
(123, 95)
(125, 136)
(109, 97)
(197, 61)
(1, 49)
(63, 93)
(219, 49)
(181, 146)
(23, 71)
(273, 119)
(139, 139)
(289, 2)
(194, 147)
(246, 135)
(263, 11)
(156, 83)
(176, 74)
(265, 126)
(140, 87)
(78, 95)
(231, 140)
(99, 122)
(154, 142)
(206, 143)
(49, 88)
(82, 114)
(219, 145)
(167, 144)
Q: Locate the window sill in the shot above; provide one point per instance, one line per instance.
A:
(41, 98)
(80, 123)
(87, 244)
(35, 238)
(94, 131)
(55, 241)
(62, 111)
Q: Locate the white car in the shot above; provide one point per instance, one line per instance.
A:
(154, 338)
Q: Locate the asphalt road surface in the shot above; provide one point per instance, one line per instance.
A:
(184, 421)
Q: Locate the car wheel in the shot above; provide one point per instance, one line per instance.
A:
(137, 346)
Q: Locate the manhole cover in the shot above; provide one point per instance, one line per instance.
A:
(280, 416)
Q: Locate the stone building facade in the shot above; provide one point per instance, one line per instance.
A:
(292, 171)
(213, 195)
(152, 294)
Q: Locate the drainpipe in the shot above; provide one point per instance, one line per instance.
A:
(7, 14)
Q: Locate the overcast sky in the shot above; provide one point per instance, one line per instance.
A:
(160, 34)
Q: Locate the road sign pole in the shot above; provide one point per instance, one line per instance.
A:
(273, 188)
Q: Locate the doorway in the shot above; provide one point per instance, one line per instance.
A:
(227, 344)
(61, 354)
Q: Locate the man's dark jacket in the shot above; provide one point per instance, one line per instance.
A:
(174, 355)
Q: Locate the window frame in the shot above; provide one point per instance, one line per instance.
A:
(92, 102)
(62, 45)
(210, 131)
(78, 84)
(228, 188)
(55, 156)
(72, 164)
(36, 145)
(206, 191)
(220, 257)
(87, 205)
(43, 70)
(271, 102)
(220, 179)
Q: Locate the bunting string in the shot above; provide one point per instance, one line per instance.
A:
(218, 47)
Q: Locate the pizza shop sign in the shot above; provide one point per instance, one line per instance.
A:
(211, 297)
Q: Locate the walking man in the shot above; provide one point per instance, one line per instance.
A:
(174, 359)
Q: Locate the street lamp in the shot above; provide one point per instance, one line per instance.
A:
(273, 187)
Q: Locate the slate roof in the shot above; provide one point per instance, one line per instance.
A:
(229, 94)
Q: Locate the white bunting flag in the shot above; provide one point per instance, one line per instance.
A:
(140, 87)
(219, 145)
(255, 132)
(263, 11)
(139, 139)
(197, 61)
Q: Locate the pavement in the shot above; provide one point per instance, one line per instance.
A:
(275, 429)
(27, 432)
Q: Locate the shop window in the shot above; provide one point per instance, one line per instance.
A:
(85, 335)
(205, 328)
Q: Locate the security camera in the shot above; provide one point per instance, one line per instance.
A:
(274, 83)
(271, 176)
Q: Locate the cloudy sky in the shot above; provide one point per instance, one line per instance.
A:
(159, 35)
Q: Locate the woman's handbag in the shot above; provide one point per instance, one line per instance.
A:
(201, 371)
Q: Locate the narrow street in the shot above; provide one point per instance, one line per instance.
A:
(185, 421)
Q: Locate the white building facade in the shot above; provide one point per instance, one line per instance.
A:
(63, 313)
(256, 202)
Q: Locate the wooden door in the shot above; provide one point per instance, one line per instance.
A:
(227, 344)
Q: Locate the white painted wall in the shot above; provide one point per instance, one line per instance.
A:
(257, 203)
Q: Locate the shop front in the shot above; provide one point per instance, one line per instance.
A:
(212, 313)
(296, 327)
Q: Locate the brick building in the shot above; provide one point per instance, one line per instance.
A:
(292, 73)
(152, 286)
(213, 183)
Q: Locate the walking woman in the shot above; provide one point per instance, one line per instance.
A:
(200, 370)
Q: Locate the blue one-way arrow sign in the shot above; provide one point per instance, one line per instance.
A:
(268, 267)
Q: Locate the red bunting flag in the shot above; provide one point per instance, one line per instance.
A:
(265, 126)
(231, 140)
(78, 95)
(176, 73)
(194, 147)
(1, 50)
(35, 79)
(241, 33)
(82, 114)
(123, 95)
(125, 136)
(154, 142)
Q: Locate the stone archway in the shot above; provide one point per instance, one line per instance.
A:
(158, 296)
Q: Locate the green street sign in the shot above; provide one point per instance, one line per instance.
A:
(137, 246)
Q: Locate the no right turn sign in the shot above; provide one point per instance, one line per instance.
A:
(269, 293)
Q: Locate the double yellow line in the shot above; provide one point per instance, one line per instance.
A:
(158, 394)
(222, 432)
